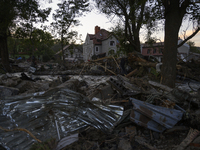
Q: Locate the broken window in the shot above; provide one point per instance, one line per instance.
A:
(112, 43)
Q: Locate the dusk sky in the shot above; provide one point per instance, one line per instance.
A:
(93, 18)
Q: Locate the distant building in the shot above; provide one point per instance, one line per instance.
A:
(101, 42)
(71, 52)
(156, 50)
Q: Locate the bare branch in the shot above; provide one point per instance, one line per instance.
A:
(189, 37)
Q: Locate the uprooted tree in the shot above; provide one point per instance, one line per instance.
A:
(13, 12)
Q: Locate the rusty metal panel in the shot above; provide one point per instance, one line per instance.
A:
(154, 117)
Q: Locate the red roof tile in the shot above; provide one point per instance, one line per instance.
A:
(99, 36)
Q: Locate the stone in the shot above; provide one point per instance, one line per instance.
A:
(8, 91)
(11, 82)
(124, 145)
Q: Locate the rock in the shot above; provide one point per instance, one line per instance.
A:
(25, 86)
(124, 145)
(8, 91)
(11, 82)
(3, 77)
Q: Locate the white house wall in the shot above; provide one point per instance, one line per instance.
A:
(100, 49)
(183, 49)
(88, 48)
(106, 45)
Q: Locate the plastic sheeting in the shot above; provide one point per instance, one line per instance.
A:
(55, 113)
(153, 117)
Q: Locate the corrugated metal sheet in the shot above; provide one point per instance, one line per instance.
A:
(153, 117)
(55, 113)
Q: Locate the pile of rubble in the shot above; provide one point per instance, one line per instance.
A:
(108, 111)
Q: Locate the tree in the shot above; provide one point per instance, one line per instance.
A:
(66, 17)
(173, 12)
(133, 13)
(43, 42)
(13, 11)
(193, 48)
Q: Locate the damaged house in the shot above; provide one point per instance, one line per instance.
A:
(102, 42)
(156, 50)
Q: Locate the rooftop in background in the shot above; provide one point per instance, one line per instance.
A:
(100, 35)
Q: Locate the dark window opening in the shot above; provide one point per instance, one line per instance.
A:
(112, 43)
(97, 49)
(148, 51)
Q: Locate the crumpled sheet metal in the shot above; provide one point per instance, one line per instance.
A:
(57, 112)
(153, 117)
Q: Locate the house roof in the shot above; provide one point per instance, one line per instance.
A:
(63, 49)
(100, 36)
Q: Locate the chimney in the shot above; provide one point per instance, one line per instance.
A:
(96, 29)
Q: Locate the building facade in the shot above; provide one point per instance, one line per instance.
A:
(101, 42)
(157, 49)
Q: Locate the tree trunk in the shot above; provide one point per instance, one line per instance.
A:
(4, 52)
(173, 21)
(137, 41)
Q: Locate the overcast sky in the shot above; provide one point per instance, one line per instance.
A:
(90, 20)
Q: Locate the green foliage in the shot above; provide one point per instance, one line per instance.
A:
(133, 13)
(23, 13)
(148, 39)
(66, 17)
(43, 42)
(192, 47)
(124, 46)
(194, 50)
(154, 72)
(191, 44)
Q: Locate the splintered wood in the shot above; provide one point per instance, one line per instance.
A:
(193, 133)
